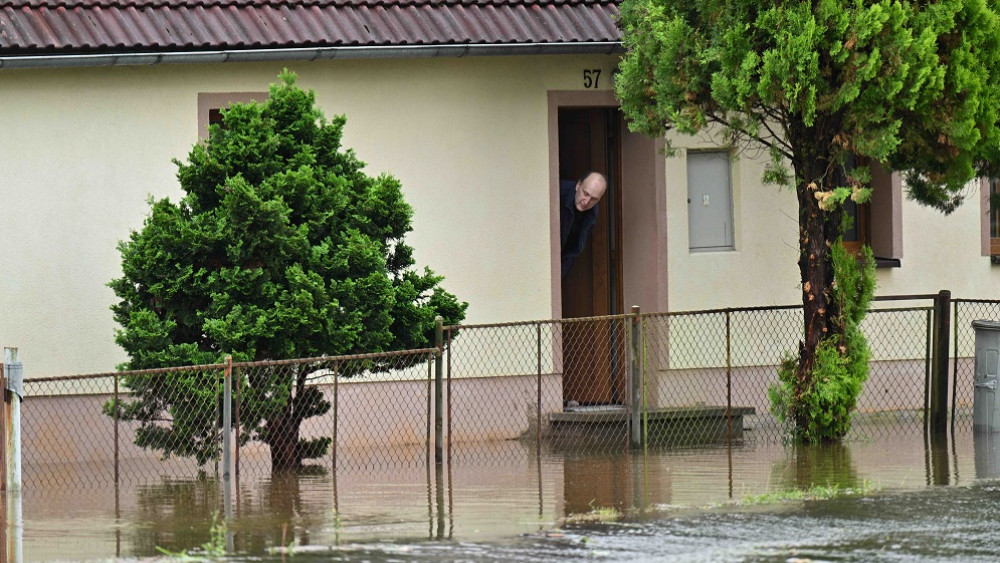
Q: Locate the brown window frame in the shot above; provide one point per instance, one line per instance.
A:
(209, 102)
(862, 214)
(879, 220)
(993, 215)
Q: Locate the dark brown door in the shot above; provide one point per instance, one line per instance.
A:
(593, 351)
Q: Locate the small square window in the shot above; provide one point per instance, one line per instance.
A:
(215, 116)
(210, 106)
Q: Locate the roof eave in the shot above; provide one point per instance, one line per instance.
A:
(50, 60)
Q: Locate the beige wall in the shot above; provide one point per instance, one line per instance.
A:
(938, 251)
(83, 148)
(761, 270)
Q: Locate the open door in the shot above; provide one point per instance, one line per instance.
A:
(594, 352)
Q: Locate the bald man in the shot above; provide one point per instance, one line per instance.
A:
(578, 213)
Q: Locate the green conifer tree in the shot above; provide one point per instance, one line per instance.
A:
(281, 248)
(911, 86)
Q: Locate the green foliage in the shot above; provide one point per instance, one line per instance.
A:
(818, 408)
(909, 84)
(281, 248)
(830, 89)
(814, 492)
(596, 514)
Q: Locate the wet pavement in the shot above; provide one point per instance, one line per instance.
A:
(932, 500)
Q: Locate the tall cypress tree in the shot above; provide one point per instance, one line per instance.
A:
(911, 86)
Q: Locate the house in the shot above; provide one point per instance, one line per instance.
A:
(478, 107)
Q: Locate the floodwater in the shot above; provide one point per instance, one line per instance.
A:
(928, 500)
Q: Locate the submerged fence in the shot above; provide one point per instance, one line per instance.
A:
(640, 380)
(665, 379)
(135, 426)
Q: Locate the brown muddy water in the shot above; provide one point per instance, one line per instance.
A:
(927, 500)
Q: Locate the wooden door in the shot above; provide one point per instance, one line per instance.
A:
(593, 352)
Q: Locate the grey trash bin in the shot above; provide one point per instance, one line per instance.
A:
(985, 406)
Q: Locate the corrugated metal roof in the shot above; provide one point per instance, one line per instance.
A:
(100, 26)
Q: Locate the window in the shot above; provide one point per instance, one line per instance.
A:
(210, 106)
(878, 222)
(215, 116)
(859, 232)
(990, 207)
(710, 202)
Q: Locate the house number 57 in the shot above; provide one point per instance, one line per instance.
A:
(591, 78)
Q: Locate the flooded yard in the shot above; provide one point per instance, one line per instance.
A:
(927, 500)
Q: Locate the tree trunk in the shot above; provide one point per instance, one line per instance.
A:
(283, 439)
(818, 230)
(283, 430)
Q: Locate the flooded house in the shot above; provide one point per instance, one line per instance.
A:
(480, 109)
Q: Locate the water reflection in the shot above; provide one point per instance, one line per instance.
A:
(282, 510)
(937, 459)
(177, 515)
(806, 466)
(174, 515)
(987, 452)
(601, 480)
(486, 494)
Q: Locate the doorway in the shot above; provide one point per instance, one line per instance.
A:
(593, 352)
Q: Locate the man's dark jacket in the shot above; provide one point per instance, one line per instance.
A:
(567, 214)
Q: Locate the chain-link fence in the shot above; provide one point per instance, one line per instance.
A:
(140, 426)
(963, 356)
(661, 379)
(571, 386)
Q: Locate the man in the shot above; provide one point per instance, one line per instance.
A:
(578, 213)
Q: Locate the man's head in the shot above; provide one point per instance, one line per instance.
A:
(589, 191)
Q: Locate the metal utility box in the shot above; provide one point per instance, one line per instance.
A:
(985, 405)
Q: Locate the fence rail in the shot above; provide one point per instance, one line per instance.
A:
(640, 380)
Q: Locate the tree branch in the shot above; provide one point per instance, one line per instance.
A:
(770, 113)
(776, 143)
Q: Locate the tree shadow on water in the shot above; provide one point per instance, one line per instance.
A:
(178, 515)
(821, 465)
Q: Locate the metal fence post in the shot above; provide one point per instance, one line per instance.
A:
(13, 391)
(636, 383)
(538, 392)
(928, 363)
(438, 392)
(954, 368)
(236, 423)
(939, 370)
(448, 403)
(227, 436)
(117, 409)
(3, 428)
(427, 438)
